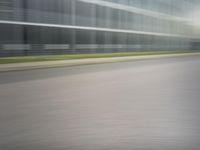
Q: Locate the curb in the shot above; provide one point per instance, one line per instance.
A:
(79, 62)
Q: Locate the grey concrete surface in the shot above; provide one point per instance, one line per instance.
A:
(135, 105)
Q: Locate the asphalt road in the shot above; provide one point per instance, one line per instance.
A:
(135, 105)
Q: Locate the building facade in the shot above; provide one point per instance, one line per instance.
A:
(37, 27)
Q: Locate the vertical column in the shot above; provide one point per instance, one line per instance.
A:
(93, 33)
(25, 34)
(73, 15)
(108, 35)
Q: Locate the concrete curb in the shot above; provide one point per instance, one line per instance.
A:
(78, 62)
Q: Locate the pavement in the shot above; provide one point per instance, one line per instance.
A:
(135, 105)
(78, 62)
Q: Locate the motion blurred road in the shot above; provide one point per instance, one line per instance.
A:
(135, 105)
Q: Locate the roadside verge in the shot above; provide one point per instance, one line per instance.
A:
(78, 62)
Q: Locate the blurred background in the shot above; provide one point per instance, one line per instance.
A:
(119, 103)
(41, 27)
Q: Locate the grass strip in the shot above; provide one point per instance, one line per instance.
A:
(21, 59)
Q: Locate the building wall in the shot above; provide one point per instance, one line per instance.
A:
(39, 27)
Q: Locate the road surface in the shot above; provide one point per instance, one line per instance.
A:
(135, 105)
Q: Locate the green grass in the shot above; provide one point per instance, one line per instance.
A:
(6, 60)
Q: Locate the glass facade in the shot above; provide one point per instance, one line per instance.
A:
(29, 27)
